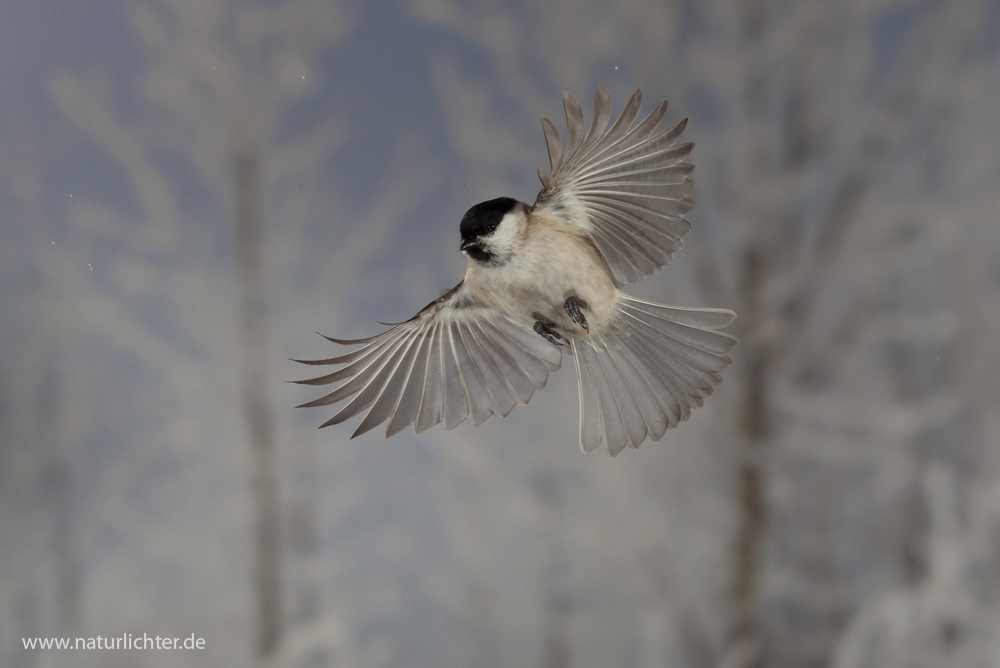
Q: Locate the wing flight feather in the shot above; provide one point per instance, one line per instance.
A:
(456, 360)
(626, 188)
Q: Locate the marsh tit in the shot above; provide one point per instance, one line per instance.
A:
(547, 278)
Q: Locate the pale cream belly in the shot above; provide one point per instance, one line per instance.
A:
(535, 286)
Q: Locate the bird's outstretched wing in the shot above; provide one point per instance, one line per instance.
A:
(626, 189)
(457, 359)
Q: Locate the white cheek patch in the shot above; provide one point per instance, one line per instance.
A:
(507, 230)
(504, 241)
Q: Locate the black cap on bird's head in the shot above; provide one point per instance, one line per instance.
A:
(481, 221)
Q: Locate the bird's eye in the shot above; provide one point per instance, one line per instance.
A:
(491, 227)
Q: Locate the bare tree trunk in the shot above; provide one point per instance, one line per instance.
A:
(264, 478)
(745, 647)
(555, 647)
(745, 641)
(67, 584)
(57, 485)
(304, 588)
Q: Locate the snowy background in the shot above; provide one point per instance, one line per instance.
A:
(190, 188)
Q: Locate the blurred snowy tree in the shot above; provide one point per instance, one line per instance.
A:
(847, 211)
(950, 618)
(200, 138)
(824, 135)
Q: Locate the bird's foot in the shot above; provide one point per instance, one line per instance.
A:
(549, 332)
(573, 305)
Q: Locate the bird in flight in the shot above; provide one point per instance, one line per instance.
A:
(546, 279)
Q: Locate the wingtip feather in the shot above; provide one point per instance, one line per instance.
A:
(553, 142)
(544, 178)
(345, 342)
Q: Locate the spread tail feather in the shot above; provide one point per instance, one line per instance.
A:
(662, 362)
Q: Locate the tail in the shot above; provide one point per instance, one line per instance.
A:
(662, 362)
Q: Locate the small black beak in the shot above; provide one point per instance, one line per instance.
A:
(469, 243)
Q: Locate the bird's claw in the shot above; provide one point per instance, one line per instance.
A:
(573, 305)
(549, 333)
